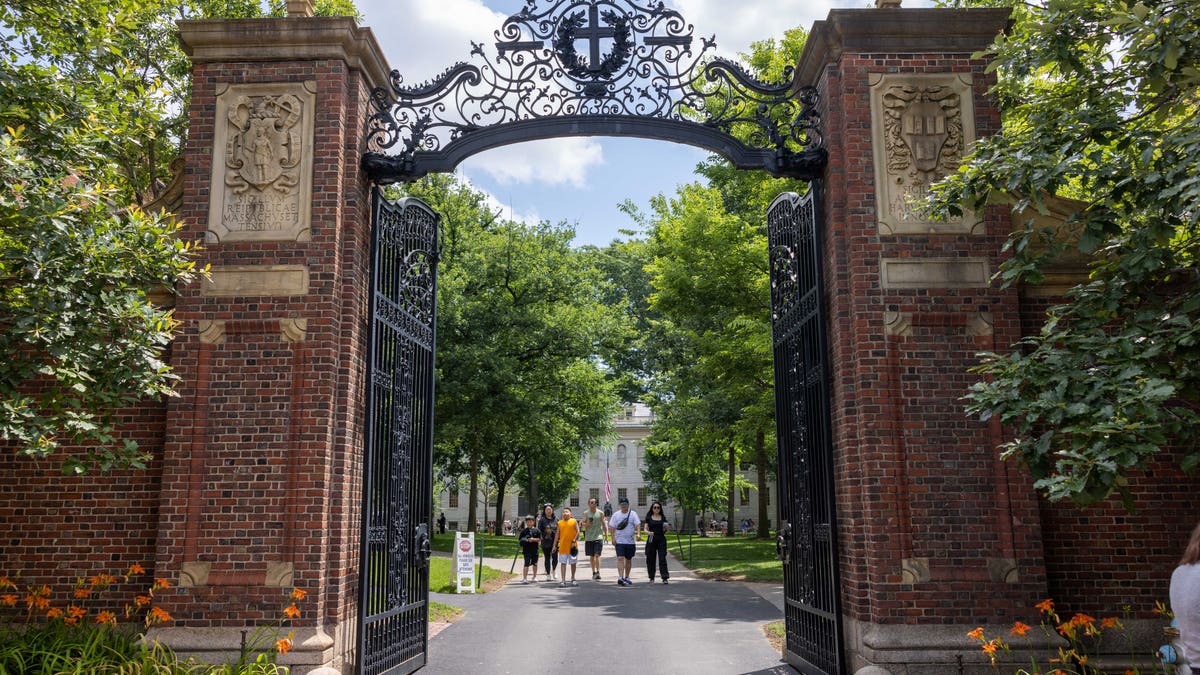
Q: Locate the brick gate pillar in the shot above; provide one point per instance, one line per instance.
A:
(260, 487)
(937, 535)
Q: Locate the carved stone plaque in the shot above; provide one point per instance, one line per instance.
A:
(921, 127)
(262, 163)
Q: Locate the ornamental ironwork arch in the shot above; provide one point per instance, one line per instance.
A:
(643, 73)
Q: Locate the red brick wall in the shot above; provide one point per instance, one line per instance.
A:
(1102, 558)
(916, 477)
(55, 529)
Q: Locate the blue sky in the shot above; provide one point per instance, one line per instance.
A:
(579, 180)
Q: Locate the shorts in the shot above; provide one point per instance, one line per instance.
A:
(626, 551)
(531, 556)
(567, 559)
(592, 548)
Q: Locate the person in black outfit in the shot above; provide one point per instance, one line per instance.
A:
(441, 521)
(655, 526)
(548, 526)
(529, 537)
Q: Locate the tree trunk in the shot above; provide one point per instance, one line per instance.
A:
(730, 508)
(533, 488)
(760, 448)
(472, 494)
(500, 507)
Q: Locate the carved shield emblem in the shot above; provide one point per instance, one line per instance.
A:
(263, 150)
(925, 133)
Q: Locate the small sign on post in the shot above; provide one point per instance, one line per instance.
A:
(464, 561)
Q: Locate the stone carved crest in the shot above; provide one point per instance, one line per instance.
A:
(922, 127)
(262, 169)
(264, 150)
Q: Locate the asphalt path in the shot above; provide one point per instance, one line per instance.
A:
(692, 627)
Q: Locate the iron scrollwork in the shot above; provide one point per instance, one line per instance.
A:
(642, 74)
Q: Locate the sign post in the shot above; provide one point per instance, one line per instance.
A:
(464, 561)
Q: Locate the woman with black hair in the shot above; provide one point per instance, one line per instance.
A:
(656, 527)
(548, 524)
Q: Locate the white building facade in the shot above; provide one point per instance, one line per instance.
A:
(623, 459)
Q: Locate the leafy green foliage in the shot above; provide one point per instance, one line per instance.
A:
(1101, 103)
(519, 320)
(93, 104)
(77, 265)
(708, 320)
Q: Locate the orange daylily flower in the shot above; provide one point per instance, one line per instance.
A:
(136, 569)
(106, 617)
(976, 634)
(1046, 606)
(283, 646)
(291, 611)
(298, 594)
(990, 647)
(5, 582)
(160, 584)
(75, 611)
(83, 592)
(142, 600)
(1019, 629)
(8, 600)
(1110, 622)
(157, 615)
(54, 613)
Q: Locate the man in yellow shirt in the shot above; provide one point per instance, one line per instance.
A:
(568, 548)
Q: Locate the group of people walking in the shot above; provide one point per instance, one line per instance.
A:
(558, 538)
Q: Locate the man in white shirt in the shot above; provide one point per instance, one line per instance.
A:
(624, 527)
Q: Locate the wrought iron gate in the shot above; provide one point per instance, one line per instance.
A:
(808, 533)
(398, 478)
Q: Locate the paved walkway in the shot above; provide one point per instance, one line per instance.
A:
(692, 626)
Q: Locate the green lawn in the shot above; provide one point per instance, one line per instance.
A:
(729, 558)
(441, 579)
(494, 546)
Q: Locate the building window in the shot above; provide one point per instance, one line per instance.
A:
(575, 500)
(454, 499)
(745, 496)
(452, 525)
(622, 493)
(594, 493)
(622, 455)
(641, 456)
(641, 496)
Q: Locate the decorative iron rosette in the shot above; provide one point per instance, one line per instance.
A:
(593, 67)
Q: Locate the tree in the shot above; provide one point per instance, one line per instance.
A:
(1101, 103)
(92, 109)
(80, 333)
(519, 392)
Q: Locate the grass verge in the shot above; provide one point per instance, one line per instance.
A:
(440, 613)
(776, 633)
(442, 580)
(729, 558)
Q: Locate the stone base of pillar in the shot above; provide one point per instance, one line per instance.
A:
(317, 650)
(899, 649)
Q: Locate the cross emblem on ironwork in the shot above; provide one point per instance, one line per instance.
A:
(593, 33)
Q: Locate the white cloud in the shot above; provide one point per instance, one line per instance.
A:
(507, 212)
(422, 38)
(558, 161)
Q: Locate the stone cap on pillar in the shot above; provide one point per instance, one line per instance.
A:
(289, 39)
(894, 30)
